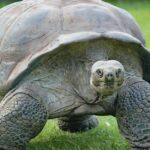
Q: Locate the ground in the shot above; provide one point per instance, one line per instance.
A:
(106, 136)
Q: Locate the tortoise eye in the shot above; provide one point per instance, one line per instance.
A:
(99, 72)
(118, 72)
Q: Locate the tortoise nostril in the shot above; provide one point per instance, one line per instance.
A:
(109, 76)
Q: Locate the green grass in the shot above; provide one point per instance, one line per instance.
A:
(106, 136)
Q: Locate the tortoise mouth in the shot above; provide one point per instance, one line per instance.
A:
(109, 84)
(107, 88)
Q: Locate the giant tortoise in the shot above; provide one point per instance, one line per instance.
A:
(71, 59)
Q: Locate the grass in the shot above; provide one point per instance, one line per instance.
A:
(106, 136)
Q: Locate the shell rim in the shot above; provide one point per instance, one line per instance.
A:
(67, 39)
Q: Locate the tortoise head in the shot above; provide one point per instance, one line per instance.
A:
(106, 77)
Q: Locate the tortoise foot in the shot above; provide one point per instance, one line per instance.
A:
(78, 124)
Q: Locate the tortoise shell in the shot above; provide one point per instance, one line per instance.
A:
(33, 29)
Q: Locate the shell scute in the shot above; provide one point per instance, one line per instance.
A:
(32, 29)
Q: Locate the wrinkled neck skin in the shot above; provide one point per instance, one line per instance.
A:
(108, 103)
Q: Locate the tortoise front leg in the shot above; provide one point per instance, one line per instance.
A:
(22, 117)
(133, 113)
(78, 123)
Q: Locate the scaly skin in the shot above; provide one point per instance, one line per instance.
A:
(133, 112)
(22, 117)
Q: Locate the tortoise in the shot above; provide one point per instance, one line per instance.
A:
(71, 60)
